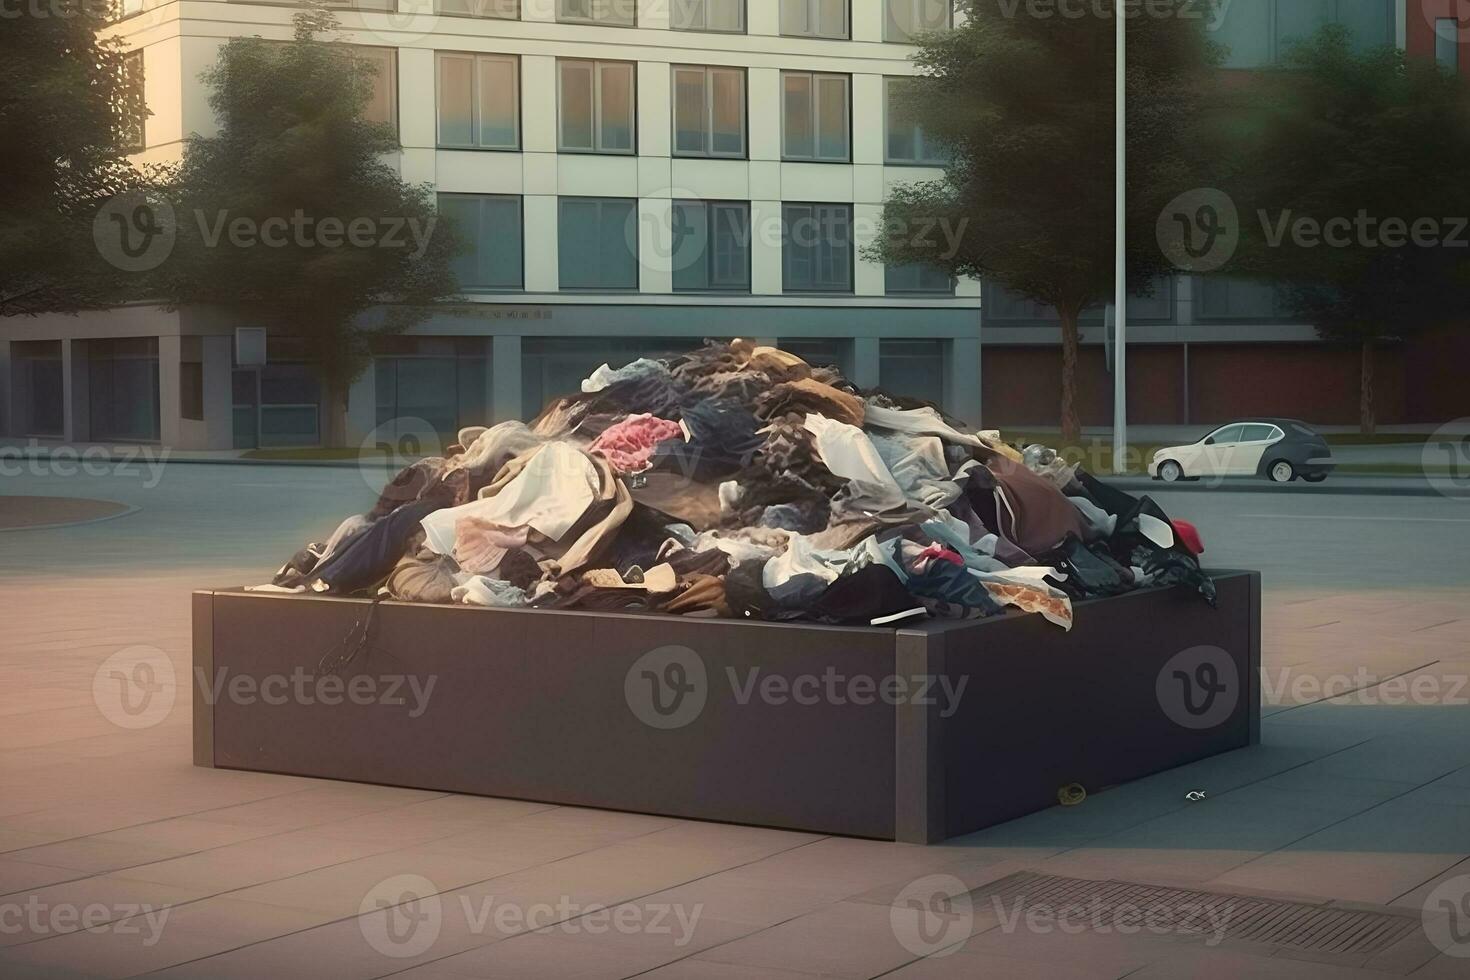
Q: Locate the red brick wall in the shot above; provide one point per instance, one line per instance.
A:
(1021, 386)
(1419, 39)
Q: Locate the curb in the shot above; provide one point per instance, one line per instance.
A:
(1399, 489)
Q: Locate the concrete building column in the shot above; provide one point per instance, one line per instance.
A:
(867, 361)
(962, 386)
(74, 405)
(170, 351)
(219, 391)
(7, 392)
(505, 377)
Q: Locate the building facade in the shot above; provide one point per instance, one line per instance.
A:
(637, 175)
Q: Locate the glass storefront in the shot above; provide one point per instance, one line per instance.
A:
(433, 380)
(39, 387)
(122, 389)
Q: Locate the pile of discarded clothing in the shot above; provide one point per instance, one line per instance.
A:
(739, 481)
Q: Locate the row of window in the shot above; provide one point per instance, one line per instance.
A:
(903, 19)
(479, 107)
(598, 247)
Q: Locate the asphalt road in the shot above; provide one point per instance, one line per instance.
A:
(234, 520)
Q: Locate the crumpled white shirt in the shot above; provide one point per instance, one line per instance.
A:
(551, 494)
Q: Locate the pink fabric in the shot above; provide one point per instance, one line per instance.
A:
(479, 546)
(628, 445)
(937, 552)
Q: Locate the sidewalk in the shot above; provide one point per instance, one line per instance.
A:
(1361, 799)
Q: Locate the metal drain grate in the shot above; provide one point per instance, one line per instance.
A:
(1125, 904)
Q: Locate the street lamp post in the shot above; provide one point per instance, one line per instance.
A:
(1120, 288)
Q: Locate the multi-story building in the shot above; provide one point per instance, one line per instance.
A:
(636, 175)
(632, 173)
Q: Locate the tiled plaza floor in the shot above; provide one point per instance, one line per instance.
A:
(189, 872)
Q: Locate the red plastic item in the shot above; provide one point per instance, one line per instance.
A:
(1189, 534)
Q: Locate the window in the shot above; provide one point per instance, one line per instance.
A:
(816, 248)
(1260, 433)
(1230, 433)
(905, 142)
(133, 109)
(596, 106)
(709, 112)
(123, 389)
(1224, 298)
(917, 277)
(1447, 43)
(500, 9)
(814, 18)
(1260, 32)
(711, 246)
(905, 18)
(815, 123)
(360, 4)
(915, 367)
(616, 13)
(598, 243)
(479, 101)
(708, 15)
(491, 225)
(382, 105)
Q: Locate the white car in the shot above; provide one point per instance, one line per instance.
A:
(1279, 449)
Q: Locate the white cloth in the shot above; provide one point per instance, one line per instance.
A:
(551, 494)
(483, 591)
(608, 375)
(1159, 532)
(917, 422)
(847, 451)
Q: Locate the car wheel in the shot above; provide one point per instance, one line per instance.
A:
(1281, 472)
(1170, 471)
(1314, 477)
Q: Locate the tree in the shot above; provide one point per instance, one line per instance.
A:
(66, 112)
(1024, 105)
(290, 217)
(1361, 158)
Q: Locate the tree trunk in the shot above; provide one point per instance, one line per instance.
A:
(334, 413)
(1366, 416)
(1071, 427)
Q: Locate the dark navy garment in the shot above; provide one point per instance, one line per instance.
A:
(372, 555)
